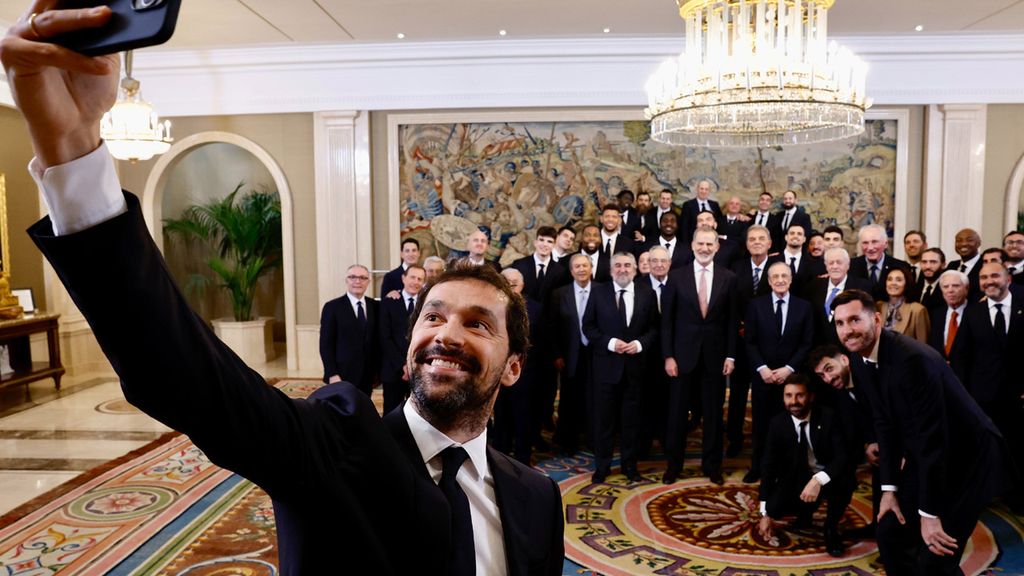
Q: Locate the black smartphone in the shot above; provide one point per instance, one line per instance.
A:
(134, 24)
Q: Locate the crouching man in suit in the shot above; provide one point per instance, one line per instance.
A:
(415, 492)
(804, 461)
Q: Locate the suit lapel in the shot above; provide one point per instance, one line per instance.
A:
(716, 287)
(512, 508)
(398, 426)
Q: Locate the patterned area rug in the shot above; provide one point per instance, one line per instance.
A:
(165, 509)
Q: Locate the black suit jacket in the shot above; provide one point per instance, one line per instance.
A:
(932, 302)
(809, 270)
(394, 338)
(555, 275)
(987, 365)
(817, 294)
(784, 469)
(345, 484)
(392, 281)
(745, 289)
(735, 231)
(688, 218)
(924, 414)
(602, 322)
(685, 335)
(566, 325)
(765, 346)
(852, 411)
(346, 347)
(937, 329)
(681, 252)
(859, 268)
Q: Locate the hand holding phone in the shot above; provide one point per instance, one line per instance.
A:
(133, 24)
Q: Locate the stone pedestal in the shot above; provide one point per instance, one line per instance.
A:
(253, 341)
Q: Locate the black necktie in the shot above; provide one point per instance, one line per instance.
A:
(778, 315)
(963, 267)
(803, 460)
(1000, 323)
(622, 306)
(540, 272)
(792, 265)
(928, 291)
(360, 314)
(608, 247)
(874, 273)
(756, 279)
(462, 553)
(412, 304)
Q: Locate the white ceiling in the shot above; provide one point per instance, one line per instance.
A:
(213, 23)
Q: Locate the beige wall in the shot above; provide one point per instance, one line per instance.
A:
(288, 138)
(22, 204)
(1004, 147)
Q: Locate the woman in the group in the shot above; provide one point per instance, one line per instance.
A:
(899, 315)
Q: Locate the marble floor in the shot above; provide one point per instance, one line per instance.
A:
(49, 437)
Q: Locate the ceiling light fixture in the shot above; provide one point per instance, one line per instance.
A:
(757, 73)
(918, 28)
(132, 129)
(502, 32)
(401, 36)
(607, 30)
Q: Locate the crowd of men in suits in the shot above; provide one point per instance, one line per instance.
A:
(666, 310)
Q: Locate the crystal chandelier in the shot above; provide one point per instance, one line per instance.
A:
(757, 73)
(131, 128)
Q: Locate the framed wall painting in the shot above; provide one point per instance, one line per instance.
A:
(509, 173)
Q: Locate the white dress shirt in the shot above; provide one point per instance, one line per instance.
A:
(476, 481)
(537, 262)
(761, 219)
(627, 299)
(970, 264)
(593, 262)
(787, 218)
(671, 244)
(821, 476)
(613, 237)
(785, 316)
(657, 284)
(795, 257)
(86, 192)
(1007, 303)
(353, 300)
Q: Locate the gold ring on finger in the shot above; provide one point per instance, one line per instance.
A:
(32, 25)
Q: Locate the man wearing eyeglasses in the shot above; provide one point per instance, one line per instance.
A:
(349, 341)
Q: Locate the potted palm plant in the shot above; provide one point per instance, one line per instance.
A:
(243, 233)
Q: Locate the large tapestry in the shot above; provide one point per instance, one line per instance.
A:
(510, 178)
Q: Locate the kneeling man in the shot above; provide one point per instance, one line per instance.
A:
(804, 451)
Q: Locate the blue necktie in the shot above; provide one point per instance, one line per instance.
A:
(828, 301)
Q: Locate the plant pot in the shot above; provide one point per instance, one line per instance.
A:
(253, 340)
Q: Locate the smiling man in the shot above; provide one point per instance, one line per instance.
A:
(941, 458)
(417, 492)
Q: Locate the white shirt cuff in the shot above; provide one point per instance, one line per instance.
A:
(888, 488)
(764, 508)
(639, 346)
(612, 342)
(822, 478)
(925, 514)
(81, 193)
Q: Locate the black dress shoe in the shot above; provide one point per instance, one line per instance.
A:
(716, 478)
(599, 476)
(734, 449)
(751, 477)
(834, 544)
(633, 475)
(670, 476)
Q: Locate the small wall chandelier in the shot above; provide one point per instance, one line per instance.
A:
(132, 129)
(757, 73)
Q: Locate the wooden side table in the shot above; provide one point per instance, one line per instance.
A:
(15, 335)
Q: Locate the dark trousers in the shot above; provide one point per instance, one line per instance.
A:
(620, 398)
(739, 388)
(572, 404)
(513, 419)
(654, 405)
(836, 494)
(394, 394)
(712, 384)
(765, 403)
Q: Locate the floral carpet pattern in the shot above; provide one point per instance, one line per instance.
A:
(165, 509)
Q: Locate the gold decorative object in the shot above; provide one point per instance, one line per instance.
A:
(757, 73)
(9, 307)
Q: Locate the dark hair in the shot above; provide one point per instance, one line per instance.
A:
(705, 211)
(669, 190)
(563, 229)
(668, 213)
(799, 379)
(517, 321)
(623, 192)
(942, 255)
(814, 234)
(795, 225)
(1013, 233)
(410, 241)
(906, 279)
(912, 232)
(834, 229)
(594, 226)
(414, 267)
(547, 232)
(848, 296)
(611, 206)
(1003, 256)
(820, 353)
(768, 194)
(643, 193)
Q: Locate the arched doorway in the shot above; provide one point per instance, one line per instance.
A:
(1014, 206)
(152, 210)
